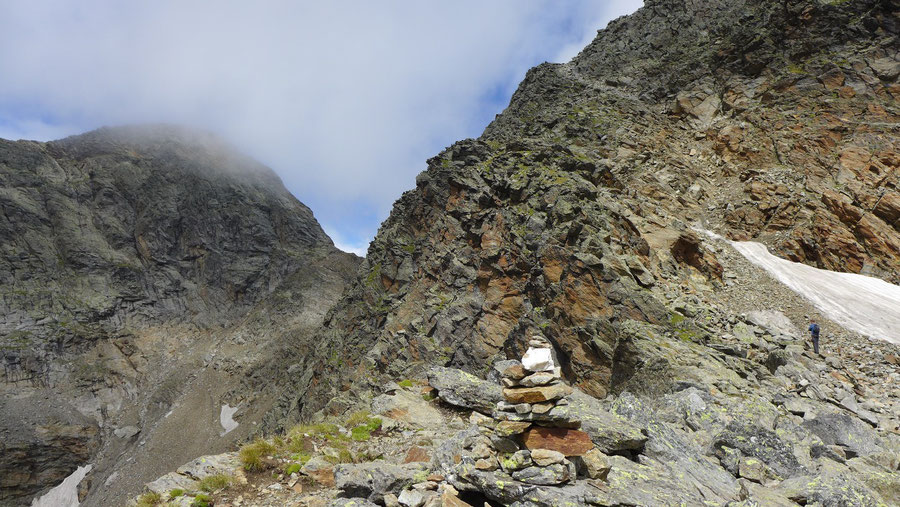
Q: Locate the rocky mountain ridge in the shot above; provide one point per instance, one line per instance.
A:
(575, 210)
(131, 258)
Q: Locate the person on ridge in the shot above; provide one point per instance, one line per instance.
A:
(814, 333)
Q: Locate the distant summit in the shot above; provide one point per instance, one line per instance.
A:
(125, 251)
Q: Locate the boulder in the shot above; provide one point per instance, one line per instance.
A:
(854, 435)
(544, 457)
(834, 485)
(320, 471)
(448, 499)
(170, 481)
(464, 390)
(610, 432)
(775, 322)
(373, 479)
(205, 466)
(557, 473)
(411, 498)
(760, 443)
(596, 464)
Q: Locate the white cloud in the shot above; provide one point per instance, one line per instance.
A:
(345, 100)
(357, 247)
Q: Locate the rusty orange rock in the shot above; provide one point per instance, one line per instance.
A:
(566, 441)
(416, 454)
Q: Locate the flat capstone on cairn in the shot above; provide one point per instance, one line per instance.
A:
(535, 415)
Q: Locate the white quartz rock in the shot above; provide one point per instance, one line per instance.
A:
(538, 359)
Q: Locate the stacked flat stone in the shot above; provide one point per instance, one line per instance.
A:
(536, 413)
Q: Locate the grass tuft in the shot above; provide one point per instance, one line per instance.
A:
(358, 418)
(363, 431)
(202, 500)
(149, 499)
(251, 454)
(216, 482)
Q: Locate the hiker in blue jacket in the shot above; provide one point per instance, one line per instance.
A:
(814, 333)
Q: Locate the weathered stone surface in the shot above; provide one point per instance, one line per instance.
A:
(507, 428)
(609, 432)
(448, 499)
(537, 379)
(517, 461)
(501, 487)
(464, 390)
(567, 441)
(372, 480)
(596, 464)
(127, 431)
(777, 323)
(416, 454)
(649, 483)
(762, 444)
(556, 473)
(408, 407)
(487, 464)
(542, 408)
(544, 457)
(833, 486)
(33, 458)
(883, 480)
(170, 481)
(411, 498)
(205, 466)
(511, 369)
(760, 495)
(536, 394)
(849, 432)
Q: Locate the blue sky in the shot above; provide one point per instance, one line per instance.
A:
(345, 100)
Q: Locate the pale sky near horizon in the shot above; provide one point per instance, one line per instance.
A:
(344, 100)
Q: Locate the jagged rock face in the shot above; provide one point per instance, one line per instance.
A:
(142, 224)
(119, 250)
(573, 212)
(769, 120)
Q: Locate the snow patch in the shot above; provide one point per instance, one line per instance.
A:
(867, 305)
(226, 420)
(66, 493)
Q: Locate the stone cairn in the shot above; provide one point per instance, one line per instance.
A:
(535, 422)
